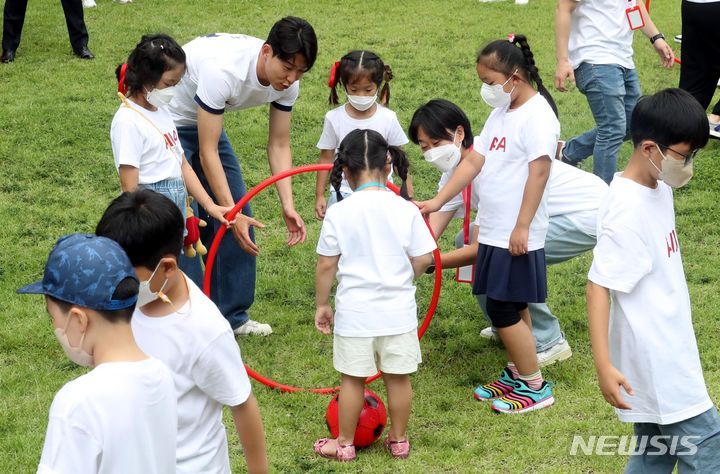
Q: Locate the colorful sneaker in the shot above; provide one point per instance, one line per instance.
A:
(398, 449)
(524, 399)
(502, 386)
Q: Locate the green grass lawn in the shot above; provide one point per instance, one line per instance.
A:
(57, 176)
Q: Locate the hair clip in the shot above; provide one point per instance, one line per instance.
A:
(332, 80)
(511, 37)
(121, 80)
(162, 47)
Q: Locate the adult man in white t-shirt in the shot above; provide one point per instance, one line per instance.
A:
(594, 51)
(228, 72)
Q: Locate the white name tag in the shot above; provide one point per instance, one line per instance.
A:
(635, 18)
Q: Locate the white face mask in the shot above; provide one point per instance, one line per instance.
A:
(75, 354)
(495, 96)
(362, 102)
(146, 295)
(160, 97)
(673, 172)
(443, 157)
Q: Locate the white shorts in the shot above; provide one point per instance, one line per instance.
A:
(364, 356)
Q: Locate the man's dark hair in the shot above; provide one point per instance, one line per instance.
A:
(293, 35)
(146, 224)
(669, 117)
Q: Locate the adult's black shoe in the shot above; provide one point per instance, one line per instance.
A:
(8, 56)
(84, 53)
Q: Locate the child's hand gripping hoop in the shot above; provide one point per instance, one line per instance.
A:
(238, 207)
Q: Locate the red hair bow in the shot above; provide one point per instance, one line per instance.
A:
(511, 37)
(121, 81)
(332, 81)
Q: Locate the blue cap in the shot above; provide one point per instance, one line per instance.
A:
(85, 270)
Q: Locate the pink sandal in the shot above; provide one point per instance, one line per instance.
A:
(398, 449)
(343, 453)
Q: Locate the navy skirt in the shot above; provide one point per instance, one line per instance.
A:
(501, 276)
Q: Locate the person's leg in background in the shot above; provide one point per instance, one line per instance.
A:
(13, 19)
(700, 50)
(192, 267)
(581, 147)
(604, 87)
(75, 20)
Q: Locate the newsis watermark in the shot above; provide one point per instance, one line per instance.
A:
(627, 445)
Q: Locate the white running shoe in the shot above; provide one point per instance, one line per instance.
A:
(559, 351)
(254, 328)
(89, 3)
(488, 333)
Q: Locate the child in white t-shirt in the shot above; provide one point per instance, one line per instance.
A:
(513, 156)
(361, 73)
(121, 416)
(376, 243)
(175, 322)
(639, 312)
(144, 139)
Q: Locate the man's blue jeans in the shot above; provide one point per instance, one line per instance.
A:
(564, 241)
(233, 277)
(612, 92)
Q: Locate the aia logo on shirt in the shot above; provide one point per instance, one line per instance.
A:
(171, 139)
(672, 243)
(498, 144)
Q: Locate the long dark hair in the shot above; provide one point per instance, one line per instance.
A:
(506, 57)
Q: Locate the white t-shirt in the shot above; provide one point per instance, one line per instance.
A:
(198, 346)
(651, 337)
(572, 192)
(221, 75)
(338, 123)
(375, 233)
(156, 152)
(510, 140)
(118, 418)
(600, 33)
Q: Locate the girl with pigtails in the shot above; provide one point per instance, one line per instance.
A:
(512, 162)
(360, 73)
(376, 243)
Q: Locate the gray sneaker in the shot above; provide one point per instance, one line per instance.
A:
(559, 351)
(254, 328)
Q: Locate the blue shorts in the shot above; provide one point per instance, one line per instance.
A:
(173, 189)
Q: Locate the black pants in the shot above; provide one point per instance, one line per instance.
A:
(700, 51)
(14, 17)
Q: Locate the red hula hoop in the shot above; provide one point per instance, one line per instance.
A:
(212, 253)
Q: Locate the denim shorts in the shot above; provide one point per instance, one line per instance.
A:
(173, 189)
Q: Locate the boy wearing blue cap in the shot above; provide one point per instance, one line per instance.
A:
(121, 416)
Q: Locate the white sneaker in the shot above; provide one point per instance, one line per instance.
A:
(123, 2)
(559, 351)
(89, 3)
(488, 333)
(254, 328)
(678, 38)
(521, 2)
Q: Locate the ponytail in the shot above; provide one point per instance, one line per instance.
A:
(385, 92)
(532, 70)
(336, 175)
(401, 165)
(504, 56)
(332, 83)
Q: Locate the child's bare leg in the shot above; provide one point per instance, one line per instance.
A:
(352, 390)
(399, 390)
(520, 344)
